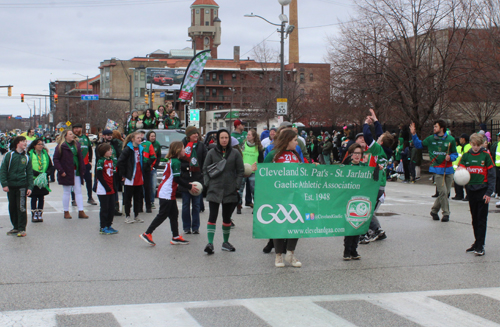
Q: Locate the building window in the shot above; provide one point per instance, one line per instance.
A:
(214, 92)
(143, 76)
(215, 125)
(106, 75)
(234, 77)
(302, 78)
(143, 92)
(311, 77)
(214, 77)
(221, 124)
(207, 24)
(207, 11)
(207, 92)
(197, 11)
(136, 75)
(207, 76)
(136, 92)
(215, 13)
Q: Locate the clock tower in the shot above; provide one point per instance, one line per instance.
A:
(205, 27)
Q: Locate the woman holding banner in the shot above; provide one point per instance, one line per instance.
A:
(284, 152)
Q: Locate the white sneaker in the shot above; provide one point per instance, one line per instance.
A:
(279, 261)
(129, 220)
(290, 258)
(138, 220)
(497, 204)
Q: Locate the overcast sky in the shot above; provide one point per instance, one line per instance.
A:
(48, 40)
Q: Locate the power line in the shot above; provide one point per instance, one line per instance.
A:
(258, 44)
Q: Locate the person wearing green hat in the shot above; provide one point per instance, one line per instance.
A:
(42, 167)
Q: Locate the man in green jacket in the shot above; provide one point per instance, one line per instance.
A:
(16, 176)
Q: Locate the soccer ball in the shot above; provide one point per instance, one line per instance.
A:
(462, 176)
(199, 187)
(248, 170)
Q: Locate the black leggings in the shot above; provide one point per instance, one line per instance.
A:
(107, 211)
(168, 208)
(37, 198)
(227, 212)
(134, 192)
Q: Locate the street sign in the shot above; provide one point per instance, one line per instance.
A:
(282, 106)
(194, 115)
(90, 97)
(61, 129)
(68, 123)
(162, 94)
(87, 126)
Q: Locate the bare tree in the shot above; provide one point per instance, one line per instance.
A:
(404, 55)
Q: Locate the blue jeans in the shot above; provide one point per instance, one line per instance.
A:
(249, 195)
(190, 221)
(154, 182)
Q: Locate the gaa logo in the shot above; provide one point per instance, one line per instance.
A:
(358, 211)
(282, 212)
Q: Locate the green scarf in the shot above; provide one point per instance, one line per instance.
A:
(194, 164)
(76, 162)
(40, 162)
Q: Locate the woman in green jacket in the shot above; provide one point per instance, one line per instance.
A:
(42, 168)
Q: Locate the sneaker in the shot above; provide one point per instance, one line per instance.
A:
(381, 235)
(101, 230)
(106, 231)
(148, 238)
(478, 251)
(187, 231)
(92, 202)
(129, 220)
(445, 218)
(466, 199)
(278, 262)
(196, 232)
(471, 249)
(226, 246)
(179, 240)
(73, 203)
(12, 232)
(290, 258)
(347, 256)
(434, 216)
(112, 230)
(232, 224)
(457, 198)
(364, 239)
(268, 247)
(138, 220)
(355, 255)
(117, 213)
(153, 205)
(22, 233)
(435, 195)
(209, 249)
(497, 204)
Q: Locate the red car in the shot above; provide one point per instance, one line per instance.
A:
(163, 80)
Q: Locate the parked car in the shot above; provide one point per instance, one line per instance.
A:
(165, 137)
(162, 80)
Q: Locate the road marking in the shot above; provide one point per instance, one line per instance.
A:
(419, 307)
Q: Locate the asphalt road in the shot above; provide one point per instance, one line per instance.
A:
(64, 273)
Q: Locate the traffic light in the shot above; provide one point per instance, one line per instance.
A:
(153, 97)
(146, 98)
(22, 97)
(10, 117)
(56, 98)
(10, 91)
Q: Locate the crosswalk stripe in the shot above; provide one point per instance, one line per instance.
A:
(283, 313)
(418, 307)
(429, 312)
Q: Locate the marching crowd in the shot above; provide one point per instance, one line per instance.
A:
(219, 167)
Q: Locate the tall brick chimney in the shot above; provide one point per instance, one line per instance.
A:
(293, 47)
(236, 53)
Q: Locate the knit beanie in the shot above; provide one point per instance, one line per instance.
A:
(190, 131)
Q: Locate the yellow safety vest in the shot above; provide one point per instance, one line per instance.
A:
(497, 155)
(466, 149)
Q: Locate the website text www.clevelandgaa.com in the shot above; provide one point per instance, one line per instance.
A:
(316, 230)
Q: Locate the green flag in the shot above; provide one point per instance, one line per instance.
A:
(303, 200)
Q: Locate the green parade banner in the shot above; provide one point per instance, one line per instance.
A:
(304, 201)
